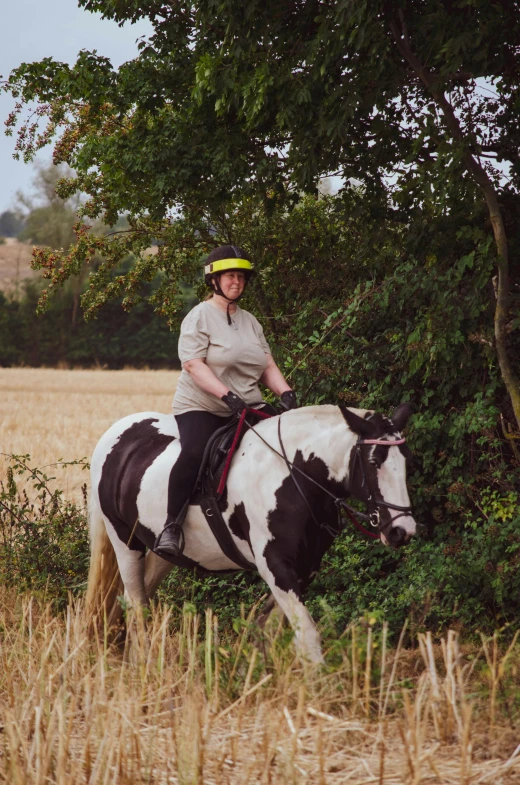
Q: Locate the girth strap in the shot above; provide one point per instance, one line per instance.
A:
(213, 514)
(209, 501)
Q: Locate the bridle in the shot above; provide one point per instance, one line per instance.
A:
(341, 505)
(375, 517)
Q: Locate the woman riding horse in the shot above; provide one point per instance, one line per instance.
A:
(224, 356)
(285, 488)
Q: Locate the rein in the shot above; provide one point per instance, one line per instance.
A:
(340, 503)
(242, 419)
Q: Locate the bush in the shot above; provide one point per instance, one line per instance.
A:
(464, 576)
(43, 543)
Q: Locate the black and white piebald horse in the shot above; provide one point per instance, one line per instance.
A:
(281, 511)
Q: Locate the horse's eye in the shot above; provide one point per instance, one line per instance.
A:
(374, 462)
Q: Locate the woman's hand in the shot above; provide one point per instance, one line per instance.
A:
(235, 403)
(288, 400)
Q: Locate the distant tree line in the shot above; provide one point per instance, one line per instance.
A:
(115, 340)
(11, 224)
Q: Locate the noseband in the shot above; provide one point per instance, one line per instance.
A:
(375, 517)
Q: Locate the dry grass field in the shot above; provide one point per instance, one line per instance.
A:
(60, 414)
(187, 707)
(194, 706)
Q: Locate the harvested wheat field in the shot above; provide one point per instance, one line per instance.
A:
(60, 414)
(187, 706)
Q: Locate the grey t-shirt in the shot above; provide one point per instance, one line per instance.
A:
(235, 353)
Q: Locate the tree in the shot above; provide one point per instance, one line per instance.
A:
(48, 219)
(418, 99)
(11, 224)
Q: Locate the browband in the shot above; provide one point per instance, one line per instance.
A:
(383, 442)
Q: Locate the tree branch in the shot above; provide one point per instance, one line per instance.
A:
(433, 85)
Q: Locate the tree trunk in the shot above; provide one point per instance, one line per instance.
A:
(483, 180)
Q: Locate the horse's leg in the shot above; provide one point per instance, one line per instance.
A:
(131, 567)
(155, 569)
(266, 611)
(285, 586)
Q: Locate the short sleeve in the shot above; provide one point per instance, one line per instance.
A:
(194, 337)
(259, 332)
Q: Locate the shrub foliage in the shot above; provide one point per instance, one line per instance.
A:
(43, 537)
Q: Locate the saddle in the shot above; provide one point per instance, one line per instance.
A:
(216, 457)
(211, 482)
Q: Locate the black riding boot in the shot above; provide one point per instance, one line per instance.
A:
(170, 541)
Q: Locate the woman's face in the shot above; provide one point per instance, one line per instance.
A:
(232, 283)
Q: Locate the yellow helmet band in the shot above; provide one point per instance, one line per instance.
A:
(227, 264)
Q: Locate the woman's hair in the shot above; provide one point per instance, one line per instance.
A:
(226, 252)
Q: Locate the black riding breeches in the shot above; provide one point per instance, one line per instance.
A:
(195, 429)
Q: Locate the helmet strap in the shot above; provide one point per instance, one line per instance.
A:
(231, 300)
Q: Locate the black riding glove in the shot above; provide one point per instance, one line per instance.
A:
(236, 404)
(288, 400)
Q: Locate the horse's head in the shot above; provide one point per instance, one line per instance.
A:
(377, 472)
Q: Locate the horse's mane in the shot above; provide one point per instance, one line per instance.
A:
(326, 410)
(331, 412)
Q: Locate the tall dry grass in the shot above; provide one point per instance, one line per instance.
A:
(53, 414)
(183, 706)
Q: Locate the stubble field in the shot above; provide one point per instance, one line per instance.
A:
(60, 414)
(201, 705)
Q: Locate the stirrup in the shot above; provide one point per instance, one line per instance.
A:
(170, 542)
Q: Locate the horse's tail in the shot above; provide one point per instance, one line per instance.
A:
(104, 581)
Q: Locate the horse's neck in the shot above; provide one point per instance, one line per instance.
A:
(318, 431)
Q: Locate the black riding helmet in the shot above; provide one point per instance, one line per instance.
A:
(224, 259)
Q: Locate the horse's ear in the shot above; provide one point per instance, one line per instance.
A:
(401, 416)
(357, 424)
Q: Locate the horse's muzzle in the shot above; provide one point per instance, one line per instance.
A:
(397, 536)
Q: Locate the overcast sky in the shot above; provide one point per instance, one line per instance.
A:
(33, 29)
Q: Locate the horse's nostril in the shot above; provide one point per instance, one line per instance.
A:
(397, 536)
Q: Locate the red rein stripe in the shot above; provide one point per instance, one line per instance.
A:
(222, 483)
(359, 526)
(257, 413)
(261, 414)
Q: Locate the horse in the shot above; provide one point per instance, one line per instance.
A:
(280, 504)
